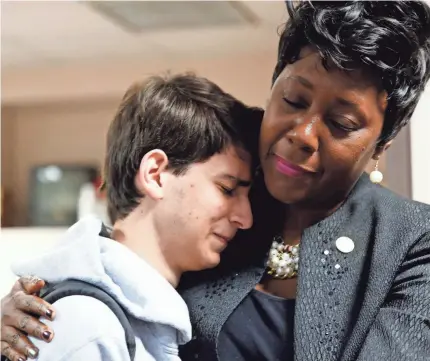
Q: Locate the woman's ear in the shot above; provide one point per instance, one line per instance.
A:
(380, 149)
(149, 177)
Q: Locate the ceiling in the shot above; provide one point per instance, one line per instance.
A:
(41, 33)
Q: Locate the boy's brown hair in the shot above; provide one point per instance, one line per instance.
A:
(188, 117)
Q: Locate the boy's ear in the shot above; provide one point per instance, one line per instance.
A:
(149, 178)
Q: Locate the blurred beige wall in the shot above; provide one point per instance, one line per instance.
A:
(55, 133)
(246, 76)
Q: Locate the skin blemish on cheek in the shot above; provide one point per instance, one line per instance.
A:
(359, 153)
(357, 157)
(181, 193)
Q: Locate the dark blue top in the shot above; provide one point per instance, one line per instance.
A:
(259, 329)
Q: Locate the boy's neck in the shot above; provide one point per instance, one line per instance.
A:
(137, 233)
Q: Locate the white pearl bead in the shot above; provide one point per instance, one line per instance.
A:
(275, 261)
(376, 176)
(273, 252)
(282, 263)
(280, 247)
(275, 244)
(280, 271)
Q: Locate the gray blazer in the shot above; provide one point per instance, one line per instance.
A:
(370, 304)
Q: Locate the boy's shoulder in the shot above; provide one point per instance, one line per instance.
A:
(83, 322)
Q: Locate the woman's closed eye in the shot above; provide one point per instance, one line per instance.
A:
(343, 124)
(295, 104)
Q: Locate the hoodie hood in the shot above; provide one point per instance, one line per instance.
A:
(83, 254)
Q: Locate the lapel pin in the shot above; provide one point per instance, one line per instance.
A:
(345, 244)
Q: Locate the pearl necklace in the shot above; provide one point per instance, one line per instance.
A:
(283, 259)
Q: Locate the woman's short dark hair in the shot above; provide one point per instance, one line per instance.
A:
(188, 117)
(389, 40)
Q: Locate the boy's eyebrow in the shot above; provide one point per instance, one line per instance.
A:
(238, 181)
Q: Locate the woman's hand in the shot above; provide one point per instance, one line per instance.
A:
(20, 310)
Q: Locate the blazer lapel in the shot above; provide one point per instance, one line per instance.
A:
(329, 282)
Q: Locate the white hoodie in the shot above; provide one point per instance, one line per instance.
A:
(85, 328)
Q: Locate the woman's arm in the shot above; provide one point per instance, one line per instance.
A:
(401, 330)
(20, 310)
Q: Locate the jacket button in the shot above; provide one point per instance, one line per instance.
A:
(345, 244)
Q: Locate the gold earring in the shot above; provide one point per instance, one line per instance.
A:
(376, 176)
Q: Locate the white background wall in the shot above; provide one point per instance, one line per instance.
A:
(22, 243)
(420, 149)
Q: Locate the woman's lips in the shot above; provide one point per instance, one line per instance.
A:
(290, 169)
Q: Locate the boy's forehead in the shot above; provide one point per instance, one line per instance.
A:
(238, 151)
(231, 155)
(229, 165)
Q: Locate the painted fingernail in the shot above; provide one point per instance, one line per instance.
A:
(32, 353)
(46, 335)
(48, 313)
(20, 359)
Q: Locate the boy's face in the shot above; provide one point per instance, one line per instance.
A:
(201, 210)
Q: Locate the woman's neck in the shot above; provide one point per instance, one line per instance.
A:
(298, 218)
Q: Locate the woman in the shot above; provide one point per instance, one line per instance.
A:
(335, 267)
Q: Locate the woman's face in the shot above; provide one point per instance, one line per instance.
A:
(319, 131)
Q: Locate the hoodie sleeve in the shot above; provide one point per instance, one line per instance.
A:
(103, 348)
(84, 329)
